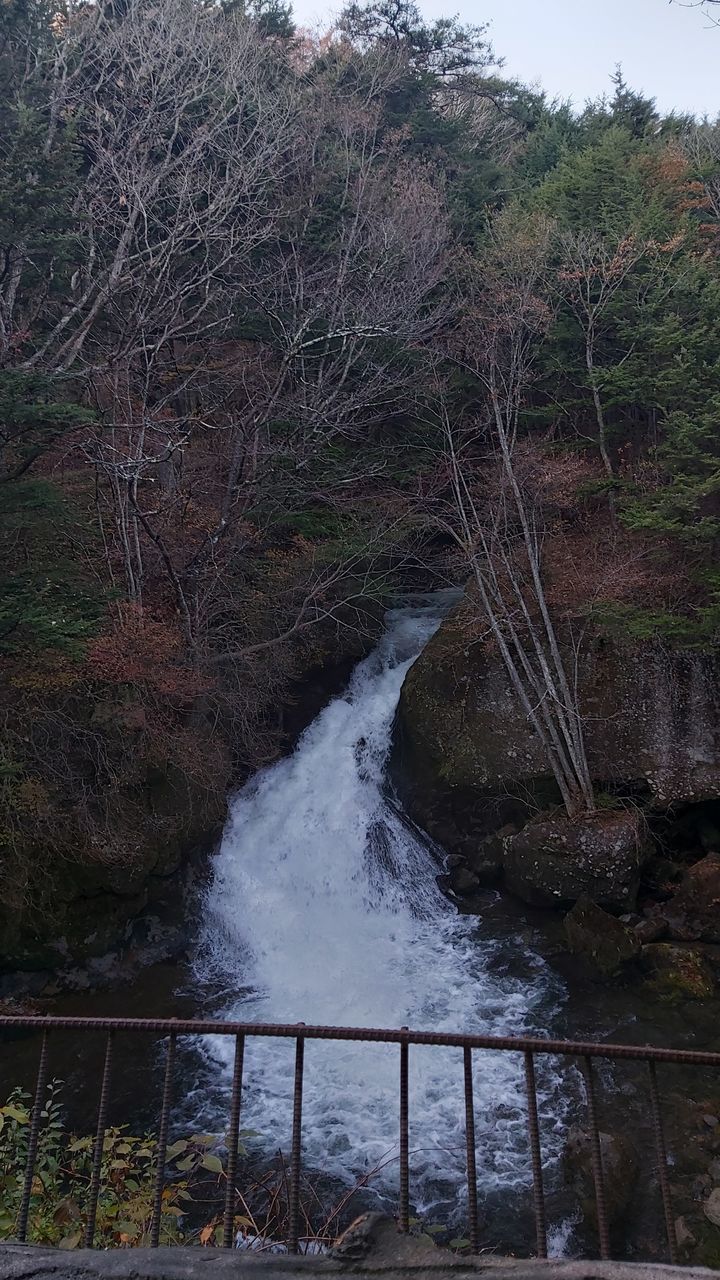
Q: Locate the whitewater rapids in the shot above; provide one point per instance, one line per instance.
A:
(324, 908)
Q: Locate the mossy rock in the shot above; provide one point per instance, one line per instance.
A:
(678, 973)
(468, 761)
(606, 943)
(556, 861)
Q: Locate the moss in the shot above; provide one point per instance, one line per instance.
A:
(677, 973)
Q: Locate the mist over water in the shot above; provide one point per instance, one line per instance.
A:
(324, 908)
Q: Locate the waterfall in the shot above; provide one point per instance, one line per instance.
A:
(324, 908)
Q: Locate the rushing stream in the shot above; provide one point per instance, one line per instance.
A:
(324, 908)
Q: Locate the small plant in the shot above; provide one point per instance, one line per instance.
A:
(60, 1191)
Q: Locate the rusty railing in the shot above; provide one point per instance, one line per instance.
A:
(528, 1047)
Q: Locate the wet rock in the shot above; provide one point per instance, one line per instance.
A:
(693, 913)
(711, 1208)
(487, 859)
(620, 1168)
(651, 930)
(454, 860)
(651, 723)
(678, 973)
(463, 881)
(607, 944)
(553, 863)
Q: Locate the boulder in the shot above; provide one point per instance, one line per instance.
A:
(608, 944)
(678, 973)
(552, 863)
(693, 912)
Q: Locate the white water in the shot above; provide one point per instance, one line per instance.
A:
(324, 908)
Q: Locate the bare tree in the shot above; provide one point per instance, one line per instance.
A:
(490, 511)
(198, 423)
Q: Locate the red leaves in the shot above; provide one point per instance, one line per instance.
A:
(145, 650)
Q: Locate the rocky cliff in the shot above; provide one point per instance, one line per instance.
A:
(472, 767)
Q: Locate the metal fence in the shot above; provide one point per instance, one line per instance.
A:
(529, 1048)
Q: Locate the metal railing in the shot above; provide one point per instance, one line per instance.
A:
(528, 1047)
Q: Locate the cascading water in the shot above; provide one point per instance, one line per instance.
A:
(324, 908)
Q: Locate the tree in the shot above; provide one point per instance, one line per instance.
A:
(497, 526)
(594, 270)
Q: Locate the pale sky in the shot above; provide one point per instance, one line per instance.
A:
(571, 47)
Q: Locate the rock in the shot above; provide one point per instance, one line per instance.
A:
(711, 1207)
(651, 718)
(651, 930)
(487, 859)
(620, 1168)
(606, 942)
(693, 913)
(454, 860)
(711, 1121)
(554, 862)
(714, 1170)
(683, 1234)
(678, 973)
(463, 881)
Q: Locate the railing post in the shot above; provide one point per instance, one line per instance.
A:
(99, 1143)
(536, 1158)
(470, 1145)
(404, 1215)
(294, 1225)
(233, 1139)
(596, 1152)
(24, 1211)
(661, 1165)
(162, 1142)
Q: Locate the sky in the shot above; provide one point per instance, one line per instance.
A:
(571, 47)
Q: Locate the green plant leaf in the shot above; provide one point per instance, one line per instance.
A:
(212, 1163)
(15, 1113)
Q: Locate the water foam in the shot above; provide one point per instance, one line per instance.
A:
(324, 908)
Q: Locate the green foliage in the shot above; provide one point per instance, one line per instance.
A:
(32, 420)
(47, 599)
(694, 630)
(60, 1193)
(600, 187)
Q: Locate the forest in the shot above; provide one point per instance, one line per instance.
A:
(290, 323)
